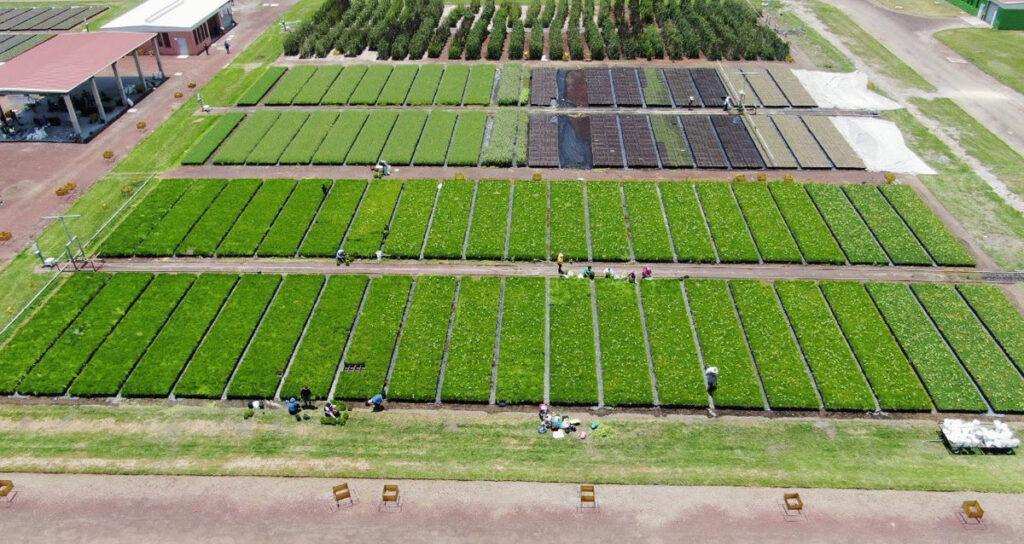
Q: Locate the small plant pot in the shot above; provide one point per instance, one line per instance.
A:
(178, 94)
(141, 125)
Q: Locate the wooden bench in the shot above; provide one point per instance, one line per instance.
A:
(7, 492)
(342, 493)
(588, 498)
(972, 511)
(390, 499)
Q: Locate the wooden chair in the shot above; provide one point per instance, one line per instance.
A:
(342, 494)
(588, 498)
(972, 512)
(792, 506)
(7, 492)
(389, 499)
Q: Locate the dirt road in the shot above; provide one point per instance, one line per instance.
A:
(463, 268)
(910, 38)
(85, 508)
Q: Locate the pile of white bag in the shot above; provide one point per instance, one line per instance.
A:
(973, 434)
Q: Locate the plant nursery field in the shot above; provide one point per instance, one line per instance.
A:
(784, 345)
(741, 222)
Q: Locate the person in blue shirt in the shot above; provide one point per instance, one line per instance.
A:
(377, 402)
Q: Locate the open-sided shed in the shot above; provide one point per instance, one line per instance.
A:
(68, 65)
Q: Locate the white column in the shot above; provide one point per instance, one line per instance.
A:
(159, 63)
(138, 67)
(96, 97)
(73, 115)
(120, 84)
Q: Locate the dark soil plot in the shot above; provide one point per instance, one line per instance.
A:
(604, 141)
(739, 146)
(74, 21)
(627, 87)
(707, 152)
(572, 89)
(709, 85)
(680, 83)
(574, 142)
(599, 87)
(543, 140)
(639, 144)
(543, 87)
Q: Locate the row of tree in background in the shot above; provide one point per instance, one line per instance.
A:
(577, 30)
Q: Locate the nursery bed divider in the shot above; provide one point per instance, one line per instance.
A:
(430, 221)
(647, 347)
(152, 339)
(492, 398)
(276, 216)
(899, 344)
(985, 326)
(248, 344)
(508, 221)
(622, 143)
(829, 226)
(664, 79)
(199, 344)
(629, 224)
(235, 220)
(818, 142)
(746, 342)
(352, 220)
(686, 140)
(945, 341)
(398, 339)
(611, 85)
(586, 219)
(485, 142)
(654, 140)
(348, 339)
(547, 219)
(469, 223)
(597, 345)
(87, 360)
(447, 342)
(846, 342)
(640, 85)
(451, 138)
(309, 227)
(707, 225)
(920, 243)
(302, 336)
(547, 340)
(800, 348)
(750, 231)
(696, 342)
(391, 220)
(668, 225)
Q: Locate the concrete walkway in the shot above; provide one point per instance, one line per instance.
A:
(90, 508)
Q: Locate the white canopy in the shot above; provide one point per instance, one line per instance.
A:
(167, 15)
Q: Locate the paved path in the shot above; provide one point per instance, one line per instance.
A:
(89, 508)
(463, 268)
(910, 38)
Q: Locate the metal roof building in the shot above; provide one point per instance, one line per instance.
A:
(184, 27)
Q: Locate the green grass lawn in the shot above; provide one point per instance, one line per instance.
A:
(461, 445)
(994, 225)
(870, 50)
(979, 142)
(998, 52)
(823, 54)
